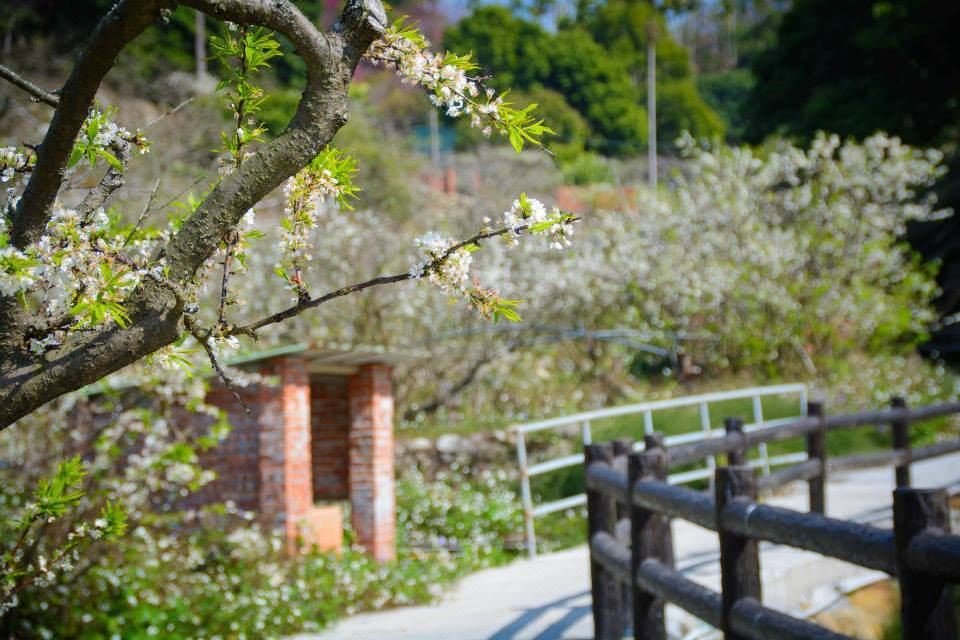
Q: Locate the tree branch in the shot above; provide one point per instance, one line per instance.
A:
(200, 337)
(310, 303)
(331, 59)
(124, 22)
(112, 180)
(38, 94)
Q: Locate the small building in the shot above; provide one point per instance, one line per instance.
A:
(320, 436)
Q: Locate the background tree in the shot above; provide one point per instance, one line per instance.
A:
(598, 63)
(867, 65)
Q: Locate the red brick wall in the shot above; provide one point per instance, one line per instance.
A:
(330, 429)
(236, 459)
(372, 497)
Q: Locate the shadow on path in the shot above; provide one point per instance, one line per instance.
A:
(555, 630)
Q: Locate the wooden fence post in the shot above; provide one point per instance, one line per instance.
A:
(926, 603)
(649, 538)
(622, 449)
(900, 434)
(602, 516)
(737, 457)
(739, 556)
(817, 449)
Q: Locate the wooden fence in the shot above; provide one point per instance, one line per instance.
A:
(630, 505)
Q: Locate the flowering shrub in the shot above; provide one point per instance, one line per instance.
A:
(472, 516)
(212, 574)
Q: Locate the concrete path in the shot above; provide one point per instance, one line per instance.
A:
(548, 598)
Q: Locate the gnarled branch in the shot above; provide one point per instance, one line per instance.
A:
(111, 181)
(124, 22)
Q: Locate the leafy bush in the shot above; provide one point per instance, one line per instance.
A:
(586, 168)
(211, 573)
(477, 517)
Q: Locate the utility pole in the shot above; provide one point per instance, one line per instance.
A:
(434, 138)
(652, 102)
(200, 44)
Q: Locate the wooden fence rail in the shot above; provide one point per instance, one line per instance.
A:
(630, 506)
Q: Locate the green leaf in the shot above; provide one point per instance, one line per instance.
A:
(516, 140)
(75, 155)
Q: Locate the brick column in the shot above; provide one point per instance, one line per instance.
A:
(286, 481)
(371, 460)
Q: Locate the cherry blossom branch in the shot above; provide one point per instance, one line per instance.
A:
(203, 337)
(304, 305)
(38, 94)
(112, 180)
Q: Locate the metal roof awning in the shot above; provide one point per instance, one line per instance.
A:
(329, 359)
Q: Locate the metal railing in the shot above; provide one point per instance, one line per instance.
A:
(707, 431)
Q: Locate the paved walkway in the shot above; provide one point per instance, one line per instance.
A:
(548, 598)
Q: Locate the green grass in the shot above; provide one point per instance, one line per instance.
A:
(569, 481)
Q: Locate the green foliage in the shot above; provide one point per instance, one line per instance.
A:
(242, 54)
(596, 84)
(681, 109)
(585, 169)
(597, 64)
(570, 63)
(212, 574)
(832, 74)
(624, 29)
(727, 93)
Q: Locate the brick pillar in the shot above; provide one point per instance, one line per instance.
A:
(371, 460)
(286, 481)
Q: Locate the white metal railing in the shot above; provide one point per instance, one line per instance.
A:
(706, 431)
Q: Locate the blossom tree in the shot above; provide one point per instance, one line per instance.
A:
(84, 293)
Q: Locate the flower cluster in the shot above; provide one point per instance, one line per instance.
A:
(86, 262)
(529, 214)
(14, 161)
(404, 49)
(77, 274)
(101, 138)
(328, 176)
(446, 262)
(448, 269)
